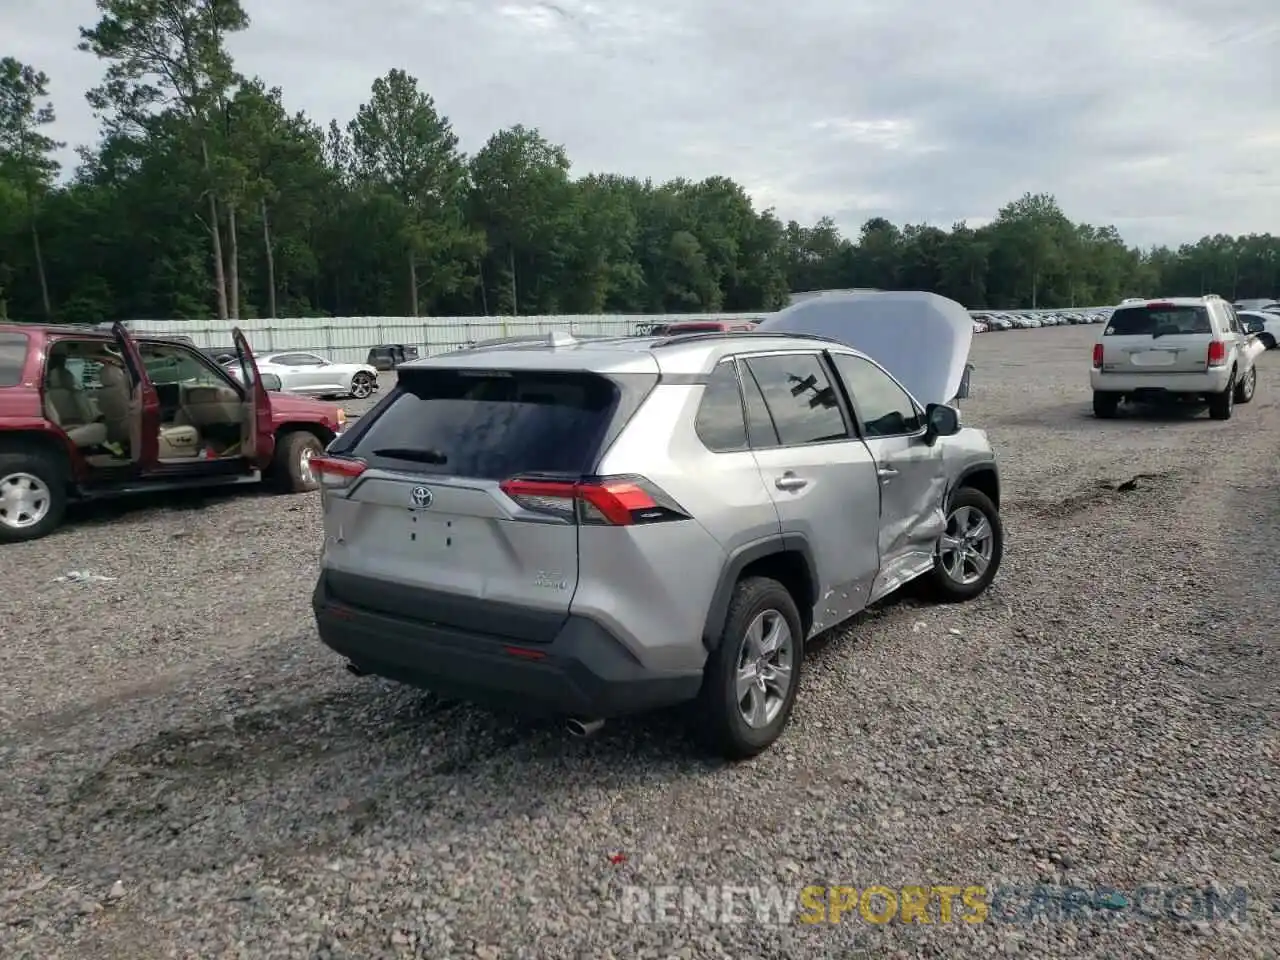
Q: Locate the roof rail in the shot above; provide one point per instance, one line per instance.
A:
(739, 335)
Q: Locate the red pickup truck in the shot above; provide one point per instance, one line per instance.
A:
(92, 413)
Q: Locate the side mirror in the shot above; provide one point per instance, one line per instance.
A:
(271, 382)
(941, 420)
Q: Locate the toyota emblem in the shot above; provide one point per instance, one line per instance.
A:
(421, 497)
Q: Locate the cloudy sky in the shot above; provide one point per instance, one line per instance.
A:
(1160, 116)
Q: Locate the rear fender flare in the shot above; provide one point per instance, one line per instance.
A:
(738, 561)
(53, 439)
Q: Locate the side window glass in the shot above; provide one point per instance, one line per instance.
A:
(86, 372)
(885, 408)
(760, 426)
(719, 423)
(168, 365)
(13, 357)
(800, 398)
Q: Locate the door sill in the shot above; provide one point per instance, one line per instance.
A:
(901, 572)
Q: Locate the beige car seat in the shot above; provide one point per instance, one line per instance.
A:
(66, 405)
(178, 441)
(115, 400)
(204, 406)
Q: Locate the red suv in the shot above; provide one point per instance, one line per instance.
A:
(90, 413)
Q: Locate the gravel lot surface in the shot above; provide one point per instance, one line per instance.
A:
(187, 772)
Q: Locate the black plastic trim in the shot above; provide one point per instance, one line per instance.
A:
(989, 467)
(738, 561)
(585, 671)
(501, 621)
(686, 379)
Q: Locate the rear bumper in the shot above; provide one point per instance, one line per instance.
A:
(1200, 382)
(583, 671)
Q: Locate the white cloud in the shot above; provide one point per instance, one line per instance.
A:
(1161, 116)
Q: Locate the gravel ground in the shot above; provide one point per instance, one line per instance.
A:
(189, 773)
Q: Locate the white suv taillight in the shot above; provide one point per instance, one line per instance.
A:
(1217, 356)
(335, 473)
(606, 501)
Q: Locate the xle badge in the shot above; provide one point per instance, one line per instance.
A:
(421, 497)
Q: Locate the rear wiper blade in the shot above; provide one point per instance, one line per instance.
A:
(415, 456)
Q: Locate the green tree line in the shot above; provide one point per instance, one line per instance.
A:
(206, 195)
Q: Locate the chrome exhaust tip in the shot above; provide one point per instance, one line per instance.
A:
(578, 727)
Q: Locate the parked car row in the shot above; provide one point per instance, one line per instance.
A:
(989, 320)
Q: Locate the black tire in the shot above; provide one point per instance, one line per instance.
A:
(1222, 405)
(1247, 386)
(1105, 404)
(945, 587)
(48, 470)
(722, 725)
(286, 466)
(362, 386)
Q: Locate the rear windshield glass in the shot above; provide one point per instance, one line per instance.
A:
(13, 357)
(491, 424)
(1161, 321)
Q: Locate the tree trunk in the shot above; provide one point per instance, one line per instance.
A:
(44, 283)
(484, 297)
(413, 285)
(215, 238)
(271, 263)
(233, 258)
(511, 263)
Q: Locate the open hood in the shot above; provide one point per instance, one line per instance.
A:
(921, 338)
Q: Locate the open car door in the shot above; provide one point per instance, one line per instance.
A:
(144, 404)
(259, 438)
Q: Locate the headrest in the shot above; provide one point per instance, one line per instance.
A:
(112, 375)
(61, 378)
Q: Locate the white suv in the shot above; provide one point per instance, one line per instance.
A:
(1191, 348)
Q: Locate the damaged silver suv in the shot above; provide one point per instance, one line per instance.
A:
(597, 527)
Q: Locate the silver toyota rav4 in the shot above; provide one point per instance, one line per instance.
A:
(597, 527)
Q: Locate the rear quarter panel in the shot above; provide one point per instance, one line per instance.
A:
(653, 584)
(22, 406)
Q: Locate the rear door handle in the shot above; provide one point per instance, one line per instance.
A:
(887, 474)
(789, 481)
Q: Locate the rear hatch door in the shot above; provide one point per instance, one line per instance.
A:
(426, 533)
(1157, 338)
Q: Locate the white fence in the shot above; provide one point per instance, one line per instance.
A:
(348, 339)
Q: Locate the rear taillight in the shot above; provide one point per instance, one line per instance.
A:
(337, 472)
(1097, 356)
(603, 501)
(1217, 353)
